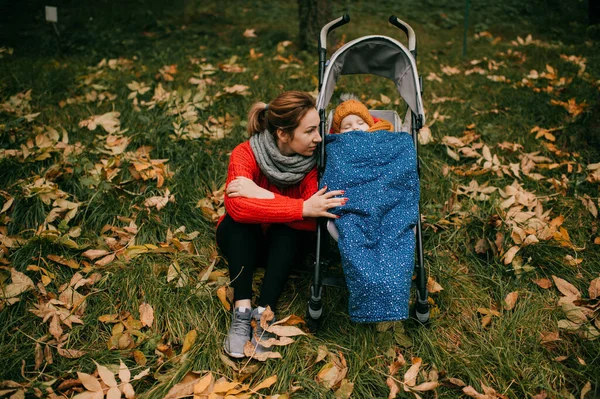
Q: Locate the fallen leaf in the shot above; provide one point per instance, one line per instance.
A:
(510, 300)
(566, 288)
(203, 383)
(222, 295)
(265, 383)
(146, 314)
(345, 389)
(433, 286)
(544, 283)
(188, 342)
(249, 33)
(89, 382)
(410, 377)
(594, 289)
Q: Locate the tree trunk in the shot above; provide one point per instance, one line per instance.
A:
(594, 11)
(312, 15)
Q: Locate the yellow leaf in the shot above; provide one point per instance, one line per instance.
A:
(265, 384)
(203, 383)
(394, 388)
(95, 253)
(222, 385)
(426, 386)
(188, 342)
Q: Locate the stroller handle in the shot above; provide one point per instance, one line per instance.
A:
(336, 23)
(410, 33)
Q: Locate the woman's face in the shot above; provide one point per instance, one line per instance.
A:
(305, 138)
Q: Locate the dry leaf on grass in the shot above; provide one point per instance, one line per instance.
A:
(146, 314)
(510, 300)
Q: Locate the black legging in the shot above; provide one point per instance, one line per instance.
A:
(244, 246)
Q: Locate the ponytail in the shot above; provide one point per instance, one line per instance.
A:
(285, 112)
(257, 121)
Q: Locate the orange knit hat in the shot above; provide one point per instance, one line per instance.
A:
(350, 107)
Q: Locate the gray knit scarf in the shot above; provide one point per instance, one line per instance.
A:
(281, 170)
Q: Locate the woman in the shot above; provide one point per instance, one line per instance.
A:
(271, 202)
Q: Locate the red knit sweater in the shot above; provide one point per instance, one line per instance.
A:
(285, 208)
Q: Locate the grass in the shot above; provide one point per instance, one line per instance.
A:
(505, 355)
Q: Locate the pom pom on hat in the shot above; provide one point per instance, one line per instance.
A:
(350, 107)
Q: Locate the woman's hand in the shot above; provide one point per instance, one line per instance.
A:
(321, 202)
(246, 188)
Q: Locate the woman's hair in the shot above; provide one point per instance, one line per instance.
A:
(285, 112)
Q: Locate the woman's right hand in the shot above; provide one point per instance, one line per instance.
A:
(321, 202)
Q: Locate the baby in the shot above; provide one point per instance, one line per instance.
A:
(352, 115)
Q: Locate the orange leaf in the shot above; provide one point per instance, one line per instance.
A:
(543, 282)
(222, 295)
(433, 286)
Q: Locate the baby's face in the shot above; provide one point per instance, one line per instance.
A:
(353, 122)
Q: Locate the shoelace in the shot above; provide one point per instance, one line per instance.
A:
(240, 326)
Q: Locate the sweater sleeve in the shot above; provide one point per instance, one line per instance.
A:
(308, 187)
(280, 209)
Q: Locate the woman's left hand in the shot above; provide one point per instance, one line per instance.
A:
(243, 187)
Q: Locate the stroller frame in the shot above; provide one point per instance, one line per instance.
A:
(400, 60)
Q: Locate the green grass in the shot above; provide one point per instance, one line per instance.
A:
(505, 355)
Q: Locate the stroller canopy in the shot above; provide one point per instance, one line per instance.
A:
(377, 55)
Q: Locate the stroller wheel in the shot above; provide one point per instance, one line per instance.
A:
(422, 309)
(313, 317)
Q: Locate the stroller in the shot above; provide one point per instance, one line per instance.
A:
(386, 57)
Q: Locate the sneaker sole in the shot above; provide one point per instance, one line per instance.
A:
(236, 355)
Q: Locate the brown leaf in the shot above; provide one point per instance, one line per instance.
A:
(482, 246)
(106, 375)
(285, 331)
(510, 300)
(456, 381)
(345, 389)
(146, 314)
(139, 357)
(69, 353)
(594, 289)
(470, 391)
(510, 254)
(183, 388)
(394, 388)
(39, 356)
(250, 351)
(106, 260)
(426, 386)
(543, 282)
(566, 288)
(410, 377)
(95, 253)
(89, 382)
(433, 286)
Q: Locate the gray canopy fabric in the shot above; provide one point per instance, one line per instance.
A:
(376, 55)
